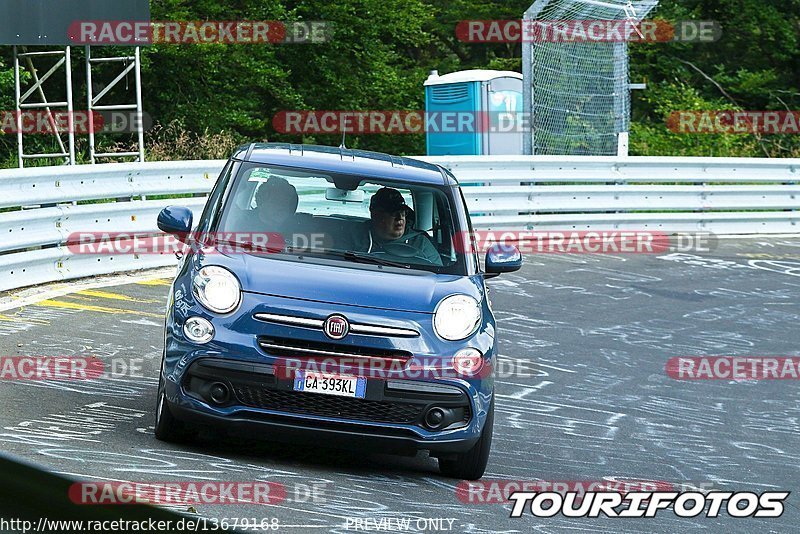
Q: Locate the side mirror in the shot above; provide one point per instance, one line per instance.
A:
(176, 220)
(502, 259)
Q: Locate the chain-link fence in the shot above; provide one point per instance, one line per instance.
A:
(577, 91)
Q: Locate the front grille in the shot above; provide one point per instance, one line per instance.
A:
(293, 348)
(317, 324)
(327, 405)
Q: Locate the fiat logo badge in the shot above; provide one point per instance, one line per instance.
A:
(336, 326)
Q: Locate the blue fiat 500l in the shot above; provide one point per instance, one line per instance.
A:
(333, 295)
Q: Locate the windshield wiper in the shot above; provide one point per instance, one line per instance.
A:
(367, 258)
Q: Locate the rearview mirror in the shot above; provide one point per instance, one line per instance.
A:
(502, 259)
(343, 195)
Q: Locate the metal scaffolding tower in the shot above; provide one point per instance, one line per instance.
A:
(129, 63)
(65, 137)
(23, 101)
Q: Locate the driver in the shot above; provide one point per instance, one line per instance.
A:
(390, 231)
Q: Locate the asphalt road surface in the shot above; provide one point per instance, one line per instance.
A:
(585, 397)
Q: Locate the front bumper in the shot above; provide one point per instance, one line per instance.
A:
(288, 429)
(262, 403)
(391, 416)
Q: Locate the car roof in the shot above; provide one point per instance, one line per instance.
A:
(345, 161)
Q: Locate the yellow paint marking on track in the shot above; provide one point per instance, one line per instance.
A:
(78, 297)
(31, 321)
(99, 309)
(156, 282)
(113, 296)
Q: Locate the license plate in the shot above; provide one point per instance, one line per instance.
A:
(343, 386)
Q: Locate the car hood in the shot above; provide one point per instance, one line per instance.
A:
(351, 284)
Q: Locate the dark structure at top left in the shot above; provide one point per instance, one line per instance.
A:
(47, 22)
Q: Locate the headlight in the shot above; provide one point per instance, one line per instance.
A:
(217, 289)
(457, 317)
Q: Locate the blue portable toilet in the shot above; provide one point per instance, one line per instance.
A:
(473, 92)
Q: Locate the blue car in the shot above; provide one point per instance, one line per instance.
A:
(334, 296)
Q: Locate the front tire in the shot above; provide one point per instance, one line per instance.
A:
(167, 428)
(470, 465)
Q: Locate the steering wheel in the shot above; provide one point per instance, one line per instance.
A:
(402, 250)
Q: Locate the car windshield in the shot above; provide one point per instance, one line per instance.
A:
(304, 213)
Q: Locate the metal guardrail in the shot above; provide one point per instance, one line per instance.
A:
(721, 195)
(49, 204)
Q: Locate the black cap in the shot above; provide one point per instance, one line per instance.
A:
(387, 199)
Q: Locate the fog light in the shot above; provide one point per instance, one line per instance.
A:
(198, 329)
(468, 362)
(435, 418)
(219, 393)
